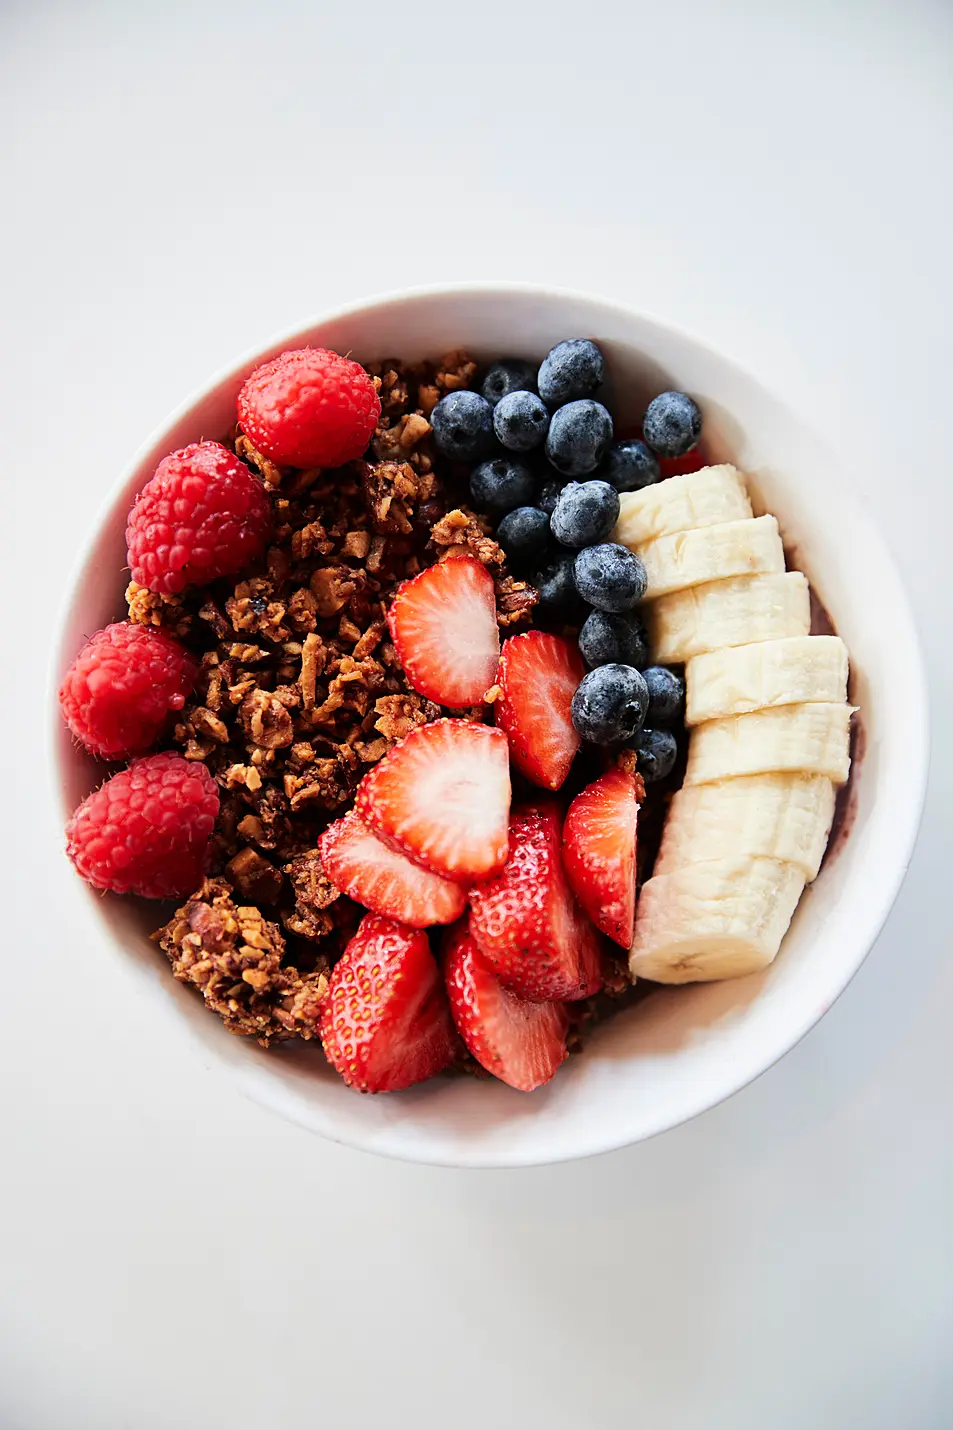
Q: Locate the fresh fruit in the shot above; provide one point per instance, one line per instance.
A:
(203, 515)
(610, 704)
(609, 577)
(309, 408)
(524, 534)
(371, 873)
(502, 484)
(770, 673)
(538, 676)
(712, 553)
(549, 496)
(666, 695)
(520, 1042)
(585, 513)
(506, 376)
(599, 852)
(558, 597)
(672, 424)
(443, 625)
(442, 796)
(708, 497)
(579, 436)
(386, 1022)
(656, 753)
(463, 426)
(122, 687)
(526, 922)
(728, 613)
(606, 639)
(521, 421)
(630, 465)
(146, 830)
(814, 738)
(574, 368)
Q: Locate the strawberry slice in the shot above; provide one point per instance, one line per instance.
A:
(538, 677)
(365, 869)
(526, 922)
(599, 852)
(443, 625)
(521, 1043)
(442, 797)
(386, 1022)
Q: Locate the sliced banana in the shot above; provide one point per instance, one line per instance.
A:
(812, 738)
(786, 817)
(684, 503)
(753, 677)
(720, 919)
(727, 613)
(712, 553)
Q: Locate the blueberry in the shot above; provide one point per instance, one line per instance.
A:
(521, 421)
(463, 426)
(606, 640)
(666, 694)
(524, 534)
(571, 369)
(501, 485)
(585, 513)
(630, 465)
(580, 435)
(672, 424)
(506, 376)
(656, 751)
(549, 496)
(610, 704)
(558, 596)
(610, 577)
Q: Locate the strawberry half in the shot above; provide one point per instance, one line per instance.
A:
(526, 922)
(443, 625)
(538, 677)
(442, 797)
(365, 869)
(386, 1022)
(599, 852)
(519, 1042)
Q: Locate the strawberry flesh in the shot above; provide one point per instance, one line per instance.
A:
(599, 852)
(443, 625)
(383, 880)
(538, 677)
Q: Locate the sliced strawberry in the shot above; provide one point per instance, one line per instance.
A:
(443, 625)
(526, 922)
(599, 852)
(386, 1022)
(538, 677)
(380, 878)
(442, 796)
(521, 1043)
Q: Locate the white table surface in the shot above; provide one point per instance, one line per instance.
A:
(178, 183)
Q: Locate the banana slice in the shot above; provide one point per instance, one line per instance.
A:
(720, 919)
(695, 499)
(813, 738)
(727, 613)
(786, 817)
(752, 677)
(712, 553)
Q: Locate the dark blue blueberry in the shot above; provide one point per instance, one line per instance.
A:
(558, 597)
(610, 577)
(672, 424)
(666, 694)
(549, 496)
(656, 752)
(606, 640)
(585, 513)
(524, 534)
(506, 376)
(463, 426)
(501, 484)
(630, 465)
(521, 421)
(580, 435)
(571, 369)
(610, 704)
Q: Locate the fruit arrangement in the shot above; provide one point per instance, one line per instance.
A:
(405, 657)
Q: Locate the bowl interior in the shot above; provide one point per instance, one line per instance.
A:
(681, 1050)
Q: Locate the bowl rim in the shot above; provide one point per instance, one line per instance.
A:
(908, 815)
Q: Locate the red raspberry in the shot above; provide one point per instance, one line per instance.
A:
(118, 692)
(202, 515)
(309, 408)
(146, 830)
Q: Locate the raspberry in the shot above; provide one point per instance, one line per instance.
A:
(309, 408)
(118, 692)
(146, 830)
(203, 515)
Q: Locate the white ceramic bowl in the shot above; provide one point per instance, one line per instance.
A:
(683, 1049)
